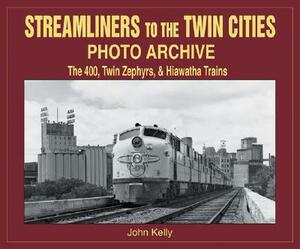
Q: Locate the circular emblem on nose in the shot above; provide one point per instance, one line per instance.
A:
(137, 158)
(137, 142)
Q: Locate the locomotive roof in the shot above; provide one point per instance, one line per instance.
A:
(146, 126)
(153, 127)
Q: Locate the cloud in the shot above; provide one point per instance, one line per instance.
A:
(207, 111)
(163, 94)
(32, 130)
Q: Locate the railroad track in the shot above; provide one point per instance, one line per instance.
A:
(106, 214)
(72, 214)
(209, 210)
(234, 213)
(109, 215)
(147, 213)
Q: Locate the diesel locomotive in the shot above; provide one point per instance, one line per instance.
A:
(151, 163)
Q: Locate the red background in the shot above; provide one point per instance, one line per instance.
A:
(246, 59)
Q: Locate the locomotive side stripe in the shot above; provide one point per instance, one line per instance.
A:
(134, 180)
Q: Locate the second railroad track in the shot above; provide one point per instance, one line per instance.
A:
(207, 211)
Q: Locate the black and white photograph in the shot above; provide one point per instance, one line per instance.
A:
(149, 152)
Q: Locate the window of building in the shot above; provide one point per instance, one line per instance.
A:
(188, 151)
(177, 144)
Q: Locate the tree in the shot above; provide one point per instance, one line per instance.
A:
(265, 182)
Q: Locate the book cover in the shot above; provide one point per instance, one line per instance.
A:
(149, 124)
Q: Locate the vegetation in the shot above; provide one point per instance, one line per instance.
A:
(62, 189)
(265, 182)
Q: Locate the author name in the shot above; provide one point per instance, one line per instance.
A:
(150, 232)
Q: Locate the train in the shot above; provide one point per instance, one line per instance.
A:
(150, 163)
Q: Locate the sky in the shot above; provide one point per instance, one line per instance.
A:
(207, 111)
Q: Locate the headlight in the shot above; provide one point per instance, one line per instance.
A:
(137, 142)
(137, 158)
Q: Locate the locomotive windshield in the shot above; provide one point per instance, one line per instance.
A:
(155, 133)
(129, 134)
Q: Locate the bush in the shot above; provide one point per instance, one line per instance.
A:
(47, 188)
(64, 186)
(69, 195)
(88, 190)
(271, 190)
(265, 182)
(62, 189)
(29, 190)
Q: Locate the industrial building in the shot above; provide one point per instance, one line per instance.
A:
(250, 151)
(58, 137)
(30, 173)
(249, 161)
(61, 156)
(88, 163)
(221, 158)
